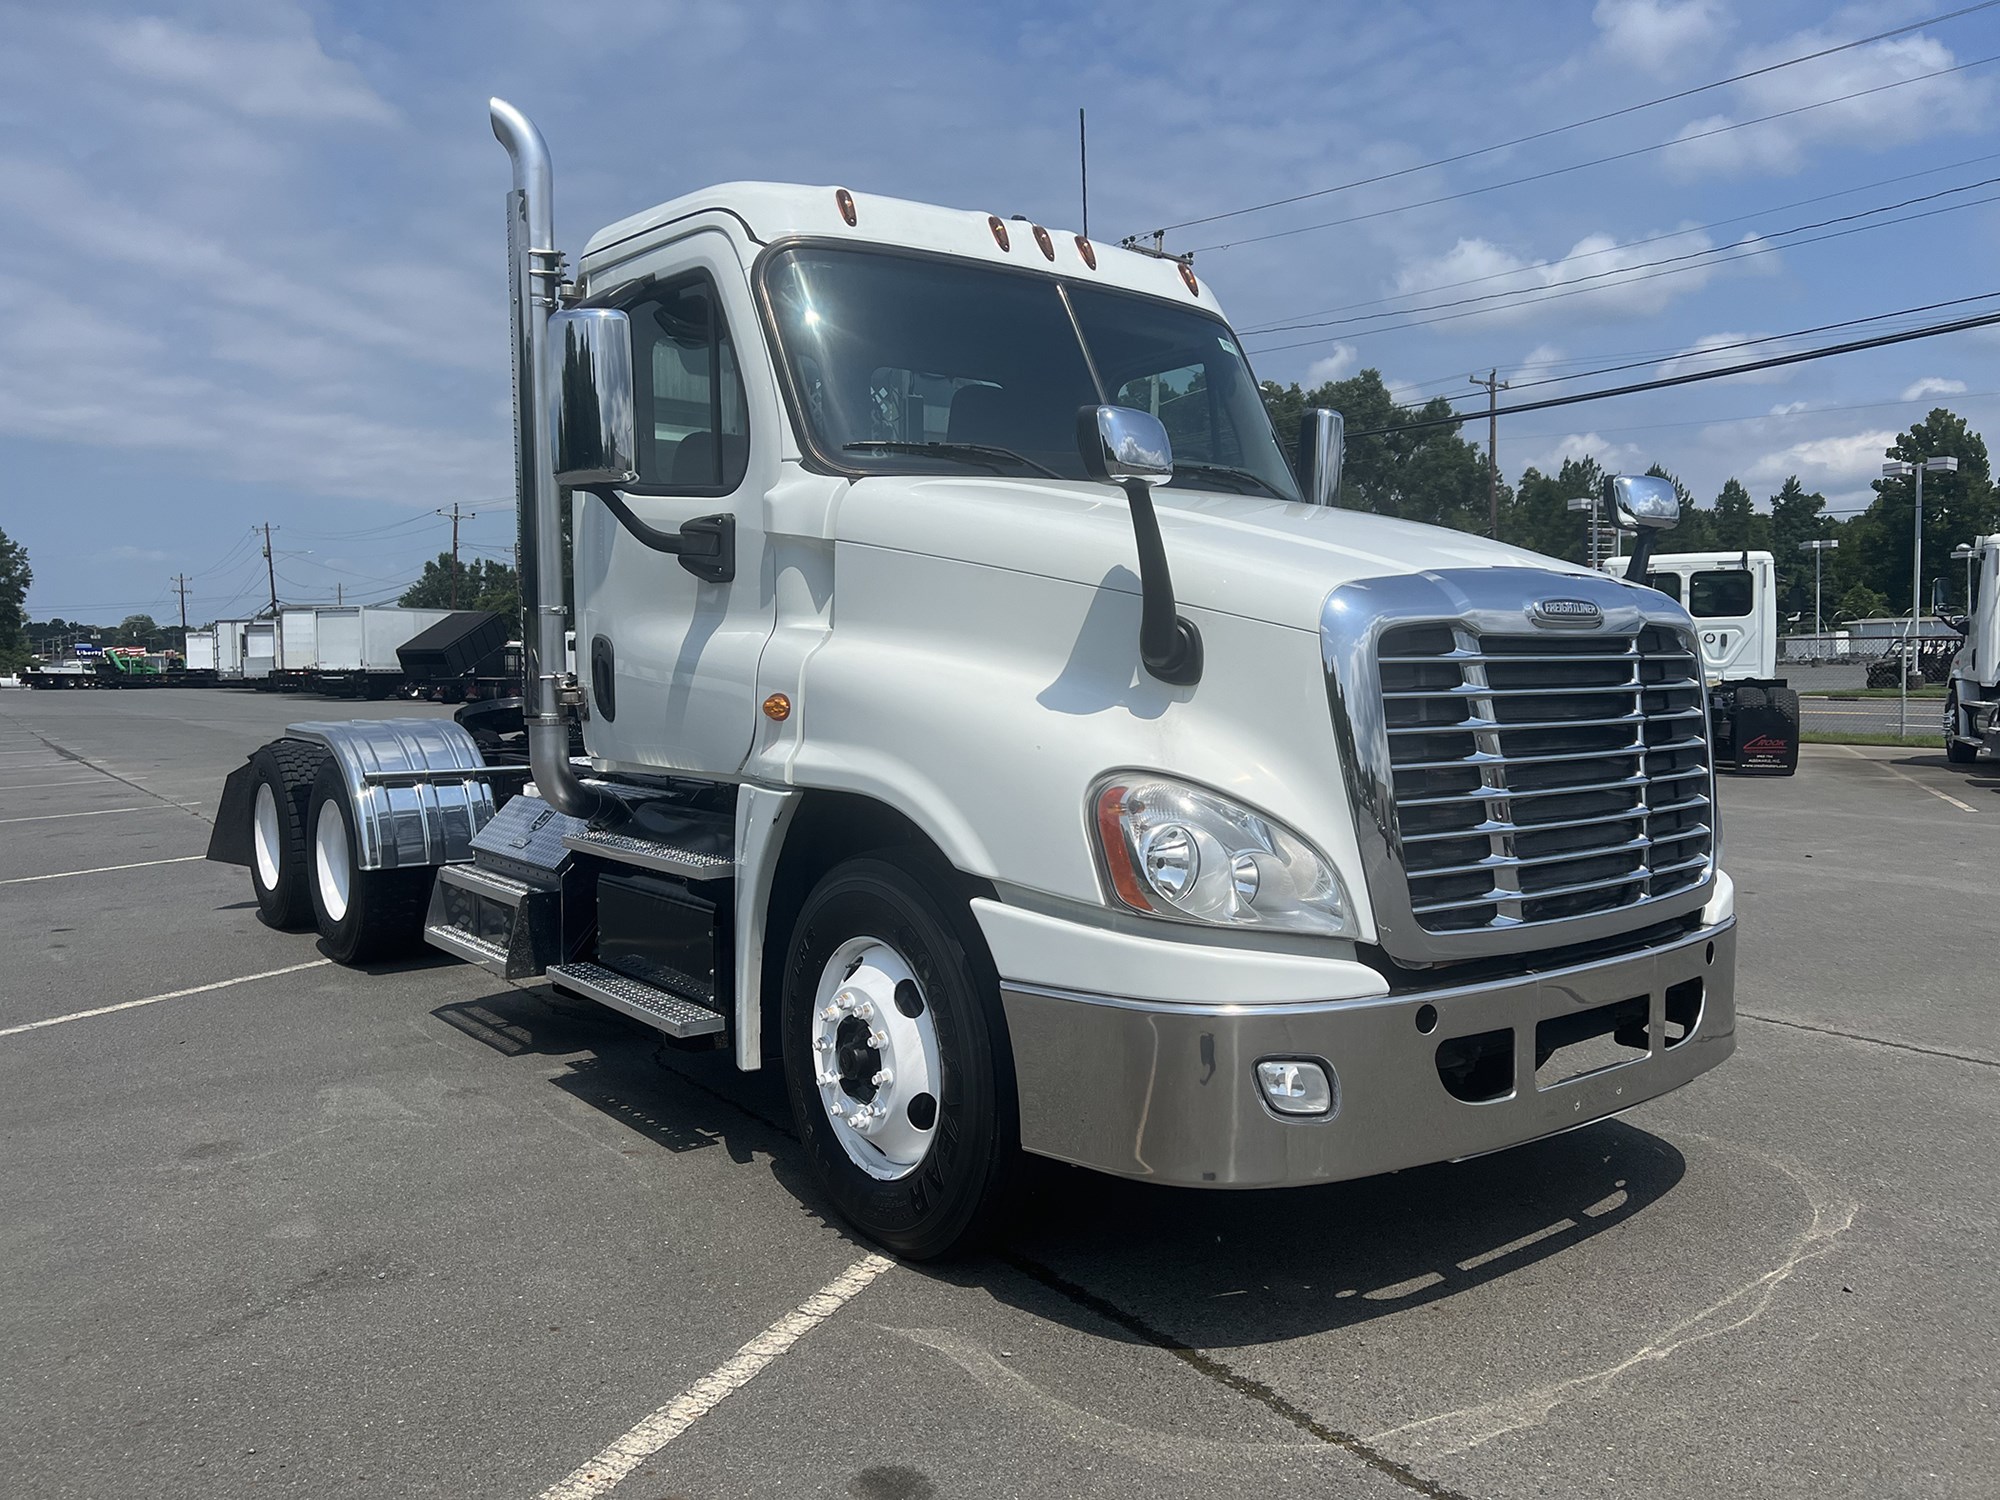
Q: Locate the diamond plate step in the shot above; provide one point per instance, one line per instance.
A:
(650, 854)
(462, 944)
(656, 1008)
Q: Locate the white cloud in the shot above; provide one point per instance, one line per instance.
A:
(1598, 278)
(1958, 103)
(1717, 351)
(1613, 458)
(1933, 385)
(1789, 408)
(1852, 459)
(1659, 35)
(1335, 366)
(280, 76)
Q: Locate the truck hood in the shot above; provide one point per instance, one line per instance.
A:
(1235, 554)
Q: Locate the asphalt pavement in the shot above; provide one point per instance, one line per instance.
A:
(276, 1227)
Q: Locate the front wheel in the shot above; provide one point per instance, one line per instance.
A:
(897, 1061)
(1956, 751)
(362, 915)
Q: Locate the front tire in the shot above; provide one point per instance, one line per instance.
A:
(1956, 752)
(897, 1060)
(362, 915)
(282, 780)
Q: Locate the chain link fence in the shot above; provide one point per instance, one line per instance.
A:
(1850, 687)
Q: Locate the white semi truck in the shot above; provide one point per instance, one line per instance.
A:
(975, 713)
(1973, 692)
(1733, 597)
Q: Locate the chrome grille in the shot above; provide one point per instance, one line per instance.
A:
(1538, 778)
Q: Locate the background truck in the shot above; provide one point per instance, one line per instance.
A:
(1973, 691)
(976, 714)
(1733, 597)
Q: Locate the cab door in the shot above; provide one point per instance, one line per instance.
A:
(668, 660)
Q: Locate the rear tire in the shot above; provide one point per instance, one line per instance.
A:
(932, 1176)
(1956, 751)
(282, 779)
(362, 915)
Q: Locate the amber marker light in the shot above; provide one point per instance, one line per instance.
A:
(1048, 245)
(1188, 277)
(845, 199)
(1117, 854)
(999, 230)
(1088, 251)
(777, 708)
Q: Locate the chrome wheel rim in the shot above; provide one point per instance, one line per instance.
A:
(875, 1058)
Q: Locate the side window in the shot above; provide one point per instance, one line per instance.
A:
(1665, 583)
(1723, 595)
(1180, 399)
(694, 433)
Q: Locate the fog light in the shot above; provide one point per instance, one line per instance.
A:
(1293, 1086)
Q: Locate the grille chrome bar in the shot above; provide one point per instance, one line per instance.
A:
(1468, 690)
(1630, 814)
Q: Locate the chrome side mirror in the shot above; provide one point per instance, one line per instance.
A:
(1119, 444)
(1642, 502)
(594, 433)
(1322, 442)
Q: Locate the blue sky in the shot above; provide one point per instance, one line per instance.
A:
(259, 267)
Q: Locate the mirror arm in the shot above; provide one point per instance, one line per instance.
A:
(1169, 645)
(705, 546)
(1642, 554)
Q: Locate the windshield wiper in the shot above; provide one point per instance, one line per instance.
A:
(1228, 471)
(991, 454)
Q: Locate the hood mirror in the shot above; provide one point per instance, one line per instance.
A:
(1119, 444)
(1642, 502)
(1322, 442)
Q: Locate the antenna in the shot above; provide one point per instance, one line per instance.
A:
(1083, 166)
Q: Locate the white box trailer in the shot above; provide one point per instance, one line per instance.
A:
(229, 649)
(385, 628)
(337, 635)
(201, 650)
(260, 649)
(297, 640)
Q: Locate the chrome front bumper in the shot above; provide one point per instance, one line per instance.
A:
(1168, 1092)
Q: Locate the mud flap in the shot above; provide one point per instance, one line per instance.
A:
(229, 844)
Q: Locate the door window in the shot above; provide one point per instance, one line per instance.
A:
(1665, 583)
(1723, 595)
(694, 432)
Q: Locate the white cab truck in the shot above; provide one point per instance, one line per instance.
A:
(1733, 598)
(1972, 696)
(975, 714)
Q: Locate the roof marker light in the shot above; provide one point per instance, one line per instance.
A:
(1087, 251)
(1048, 245)
(845, 199)
(999, 230)
(1188, 276)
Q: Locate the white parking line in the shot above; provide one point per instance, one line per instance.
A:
(611, 1466)
(198, 989)
(143, 864)
(29, 786)
(1900, 776)
(107, 811)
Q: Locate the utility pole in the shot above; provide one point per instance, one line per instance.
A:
(471, 515)
(181, 588)
(270, 569)
(1494, 386)
(336, 595)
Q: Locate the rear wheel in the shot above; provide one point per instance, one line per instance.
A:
(282, 774)
(362, 915)
(1955, 750)
(896, 1059)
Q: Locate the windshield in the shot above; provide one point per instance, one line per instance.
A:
(908, 364)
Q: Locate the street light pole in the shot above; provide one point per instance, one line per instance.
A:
(1818, 549)
(1901, 470)
(1587, 504)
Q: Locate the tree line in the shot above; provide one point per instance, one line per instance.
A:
(1432, 474)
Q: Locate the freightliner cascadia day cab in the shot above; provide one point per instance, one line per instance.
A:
(974, 713)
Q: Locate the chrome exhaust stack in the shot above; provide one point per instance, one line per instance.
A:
(535, 280)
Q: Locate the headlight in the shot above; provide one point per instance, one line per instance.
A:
(1175, 850)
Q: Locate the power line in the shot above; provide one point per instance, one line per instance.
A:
(1596, 161)
(1768, 416)
(1560, 293)
(1651, 239)
(1554, 130)
(1627, 271)
(1802, 356)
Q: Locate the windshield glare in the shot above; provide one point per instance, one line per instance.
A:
(896, 350)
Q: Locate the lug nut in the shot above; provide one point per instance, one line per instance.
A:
(881, 1078)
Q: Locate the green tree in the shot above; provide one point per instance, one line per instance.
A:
(1859, 603)
(1797, 518)
(141, 631)
(1957, 507)
(483, 583)
(1537, 516)
(15, 576)
(1736, 526)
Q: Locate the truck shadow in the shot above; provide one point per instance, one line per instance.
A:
(1223, 1269)
(1982, 775)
